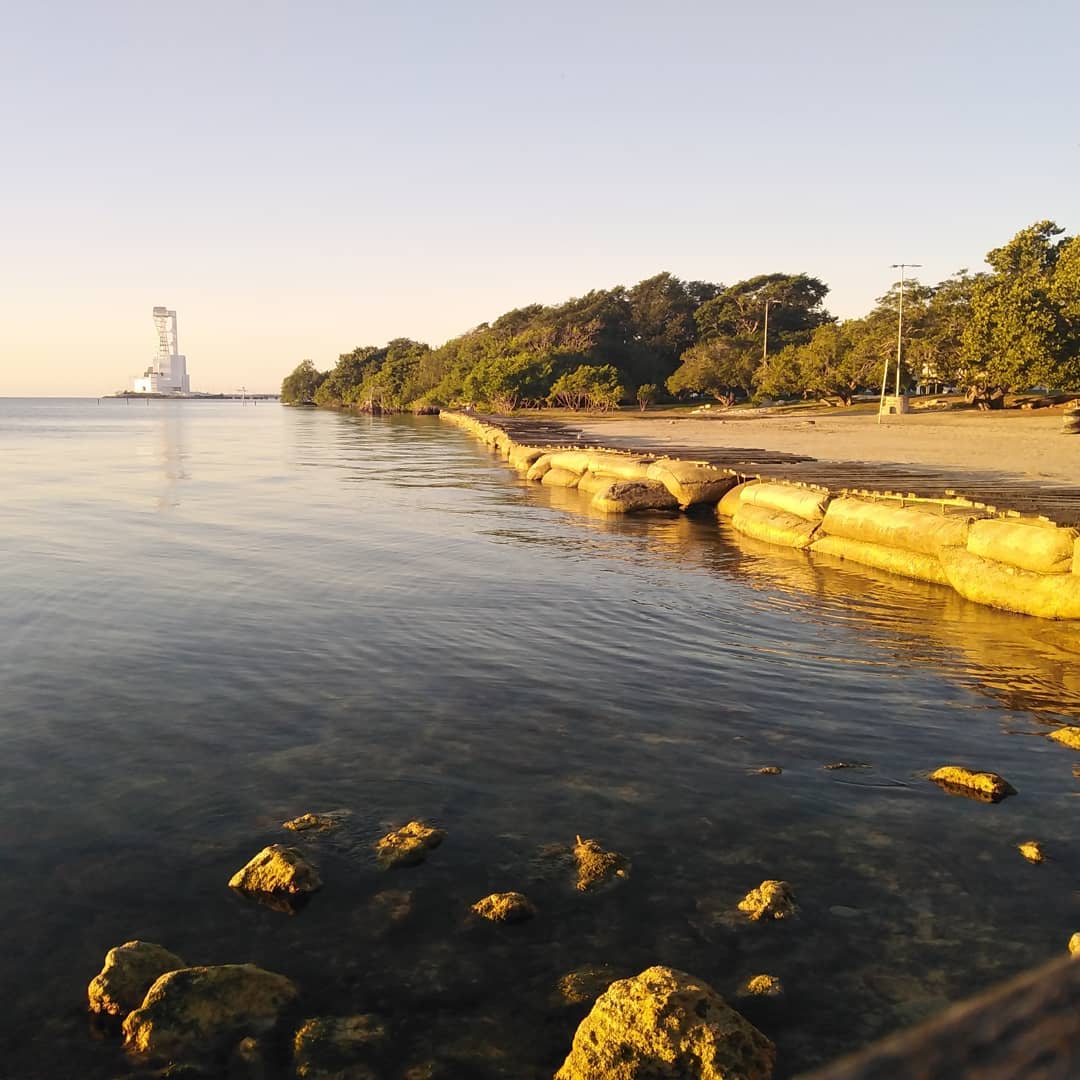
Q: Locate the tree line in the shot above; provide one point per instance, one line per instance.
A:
(1012, 328)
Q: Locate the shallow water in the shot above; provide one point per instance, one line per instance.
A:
(216, 616)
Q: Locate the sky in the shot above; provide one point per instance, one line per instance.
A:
(296, 179)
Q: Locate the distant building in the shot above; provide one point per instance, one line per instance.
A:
(168, 372)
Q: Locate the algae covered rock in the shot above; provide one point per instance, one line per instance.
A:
(504, 907)
(983, 786)
(277, 869)
(408, 845)
(307, 822)
(197, 1010)
(596, 867)
(762, 986)
(338, 1047)
(130, 970)
(585, 983)
(1032, 850)
(666, 1025)
(770, 900)
(1067, 736)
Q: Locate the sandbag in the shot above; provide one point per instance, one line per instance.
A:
(985, 581)
(1076, 556)
(1043, 549)
(774, 526)
(909, 564)
(539, 467)
(692, 482)
(521, 457)
(619, 466)
(904, 527)
(576, 461)
(590, 483)
(802, 502)
(729, 505)
(626, 496)
(558, 477)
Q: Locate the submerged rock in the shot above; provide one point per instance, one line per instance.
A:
(277, 869)
(848, 765)
(770, 900)
(596, 867)
(666, 1025)
(984, 786)
(338, 1047)
(198, 1010)
(1067, 736)
(768, 770)
(1032, 851)
(583, 984)
(504, 907)
(408, 845)
(130, 970)
(306, 822)
(762, 986)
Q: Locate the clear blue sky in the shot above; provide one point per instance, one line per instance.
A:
(299, 178)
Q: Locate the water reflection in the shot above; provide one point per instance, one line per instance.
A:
(172, 433)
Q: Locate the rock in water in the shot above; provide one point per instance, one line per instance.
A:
(1074, 944)
(1032, 850)
(277, 869)
(666, 1025)
(338, 1047)
(130, 970)
(504, 907)
(770, 900)
(408, 845)
(1067, 736)
(197, 1011)
(984, 786)
(762, 986)
(305, 822)
(596, 867)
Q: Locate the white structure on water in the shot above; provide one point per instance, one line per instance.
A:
(168, 372)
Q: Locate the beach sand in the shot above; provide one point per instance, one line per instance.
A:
(1023, 446)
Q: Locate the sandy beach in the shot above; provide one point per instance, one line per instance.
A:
(1024, 446)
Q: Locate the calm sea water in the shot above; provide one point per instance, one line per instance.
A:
(215, 616)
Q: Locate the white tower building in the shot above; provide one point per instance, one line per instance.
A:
(168, 372)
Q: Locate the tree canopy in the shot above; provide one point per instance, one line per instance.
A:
(1014, 327)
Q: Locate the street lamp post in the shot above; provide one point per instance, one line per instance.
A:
(899, 337)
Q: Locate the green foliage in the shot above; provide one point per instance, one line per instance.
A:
(1023, 329)
(830, 365)
(722, 368)
(796, 309)
(646, 395)
(588, 387)
(301, 384)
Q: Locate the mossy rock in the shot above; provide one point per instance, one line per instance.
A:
(770, 900)
(509, 907)
(129, 971)
(197, 1011)
(277, 869)
(597, 867)
(982, 786)
(762, 986)
(408, 845)
(666, 1025)
(338, 1047)
(1067, 736)
(317, 822)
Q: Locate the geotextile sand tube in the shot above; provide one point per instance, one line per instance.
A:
(1027, 566)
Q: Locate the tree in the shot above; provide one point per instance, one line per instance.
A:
(300, 385)
(646, 395)
(829, 365)
(722, 368)
(1021, 333)
(796, 310)
(588, 386)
